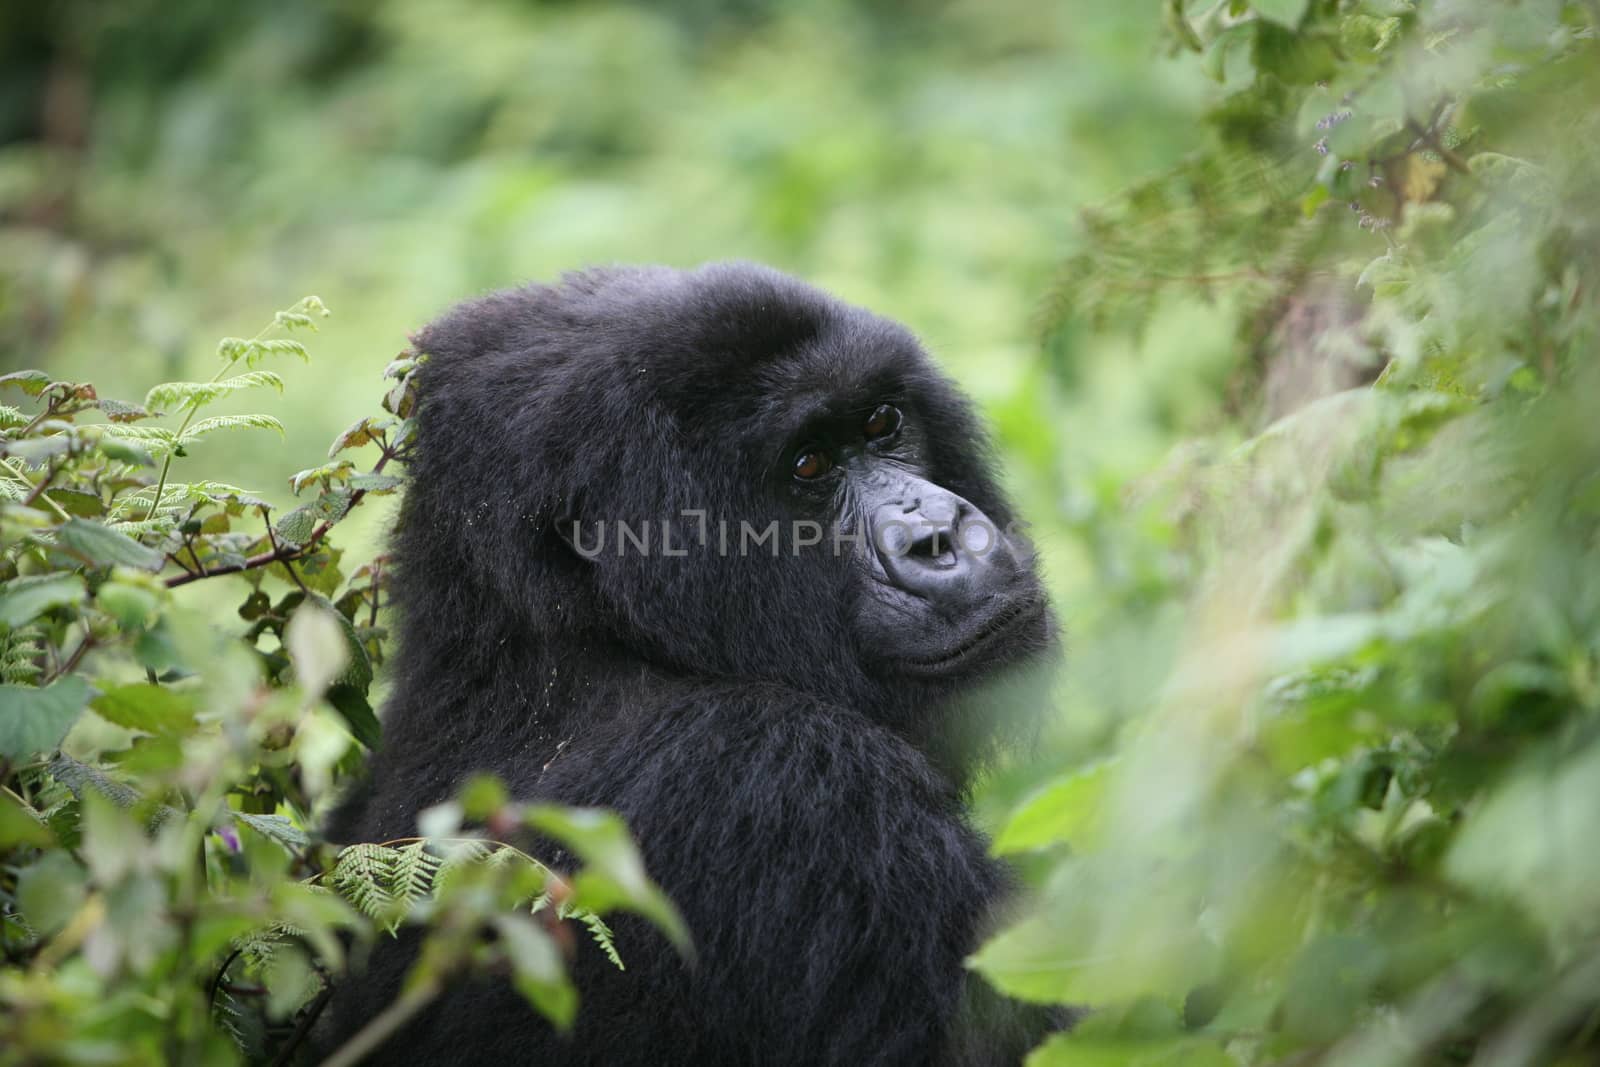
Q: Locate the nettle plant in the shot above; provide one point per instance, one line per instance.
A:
(163, 898)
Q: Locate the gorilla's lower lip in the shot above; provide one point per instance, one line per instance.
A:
(1007, 620)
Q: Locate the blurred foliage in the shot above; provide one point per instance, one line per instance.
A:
(160, 781)
(1342, 678)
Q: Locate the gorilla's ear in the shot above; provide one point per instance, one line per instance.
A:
(585, 540)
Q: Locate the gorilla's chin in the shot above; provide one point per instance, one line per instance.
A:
(1007, 630)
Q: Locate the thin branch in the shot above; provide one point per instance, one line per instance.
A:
(385, 1024)
(73, 660)
(280, 553)
(1430, 138)
(51, 407)
(288, 565)
(44, 483)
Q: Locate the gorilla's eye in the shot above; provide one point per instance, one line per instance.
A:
(811, 463)
(884, 420)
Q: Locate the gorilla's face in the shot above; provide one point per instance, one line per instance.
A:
(725, 473)
(942, 590)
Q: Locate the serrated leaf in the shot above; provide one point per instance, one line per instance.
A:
(377, 484)
(153, 709)
(361, 433)
(80, 778)
(325, 473)
(298, 525)
(103, 545)
(181, 493)
(233, 349)
(32, 382)
(230, 422)
(157, 434)
(399, 368)
(25, 599)
(170, 396)
(278, 827)
(35, 720)
(122, 411)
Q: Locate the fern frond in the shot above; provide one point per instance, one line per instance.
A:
(233, 349)
(181, 495)
(19, 655)
(600, 932)
(411, 872)
(459, 856)
(228, 422)
(145, 435)
(361, 875)
(179, 395)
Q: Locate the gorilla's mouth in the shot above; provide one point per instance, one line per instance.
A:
(1013, 616)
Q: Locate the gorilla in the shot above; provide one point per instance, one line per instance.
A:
(722, 553)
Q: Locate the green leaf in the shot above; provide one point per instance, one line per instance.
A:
(316, 644)
(1067, 810)
(77, 502)
(180, 395)
(21, 825)
(36, 451)
(1288, 12)
(154, 709)
(35, 720)
(1294, 59)
(482, 796)
(102, 545)
(613, 874)
(117, 446)
(376, 484)
(352, 704)
(536, 969)
(50, 892)
(277, 827)
(233, 349)
(32, 382)
(230, 422)
(1313, 200)
(1069, 1050)
(327, 472)
(122, 411)
(1227, 60)
(298, 525)
(361, 433)
(25, 599)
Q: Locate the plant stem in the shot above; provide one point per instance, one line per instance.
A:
(166, 464)
(384, 1025)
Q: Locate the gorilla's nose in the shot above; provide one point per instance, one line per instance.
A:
(936, 545)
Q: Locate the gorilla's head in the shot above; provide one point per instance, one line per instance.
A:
(719, 473)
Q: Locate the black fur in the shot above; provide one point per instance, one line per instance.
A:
(797, 798)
